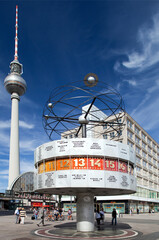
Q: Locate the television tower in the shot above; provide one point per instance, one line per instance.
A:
(16, 86)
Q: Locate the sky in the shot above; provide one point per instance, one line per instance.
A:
(62, 41)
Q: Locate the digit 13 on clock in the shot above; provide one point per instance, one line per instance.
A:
(79, 163)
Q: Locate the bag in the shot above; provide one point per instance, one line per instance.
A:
(33, 217)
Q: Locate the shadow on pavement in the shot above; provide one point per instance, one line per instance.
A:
(106, 225)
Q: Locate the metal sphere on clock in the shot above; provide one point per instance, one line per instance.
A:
(93, 103)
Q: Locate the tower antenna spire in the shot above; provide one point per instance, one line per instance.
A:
(16, 35)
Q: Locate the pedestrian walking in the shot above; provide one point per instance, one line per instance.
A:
(114, 215)
(42, 216)
(22, 215)
(16, 213)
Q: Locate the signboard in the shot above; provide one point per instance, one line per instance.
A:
(36, 204)
(108, 207)
(68, 206)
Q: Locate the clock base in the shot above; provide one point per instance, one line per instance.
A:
(85, 212)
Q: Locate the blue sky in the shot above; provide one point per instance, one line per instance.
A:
(62, 41)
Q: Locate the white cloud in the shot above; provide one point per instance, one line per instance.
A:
(4, 172)
(22, 124)
(25, 125)
(148, 38)
(131, 82)
(135, 60)
(4, 161)
(5, 124)
(4, 139)
(4, 177)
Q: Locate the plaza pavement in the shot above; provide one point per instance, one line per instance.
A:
(145, 225)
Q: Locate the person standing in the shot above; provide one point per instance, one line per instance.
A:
(42, 216)
(16, 213)
(69, 217)
(102, 215)
(22, 215)
(114, 215)
(98, 218)
(35, 211)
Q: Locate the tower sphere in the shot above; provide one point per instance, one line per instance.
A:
(14, 83)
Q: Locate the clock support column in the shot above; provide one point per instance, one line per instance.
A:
(85, 212)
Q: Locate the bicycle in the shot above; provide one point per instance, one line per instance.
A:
(61, 218)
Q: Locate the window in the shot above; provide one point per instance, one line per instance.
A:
(105, 136)
(143, 154)
(144, 164)
(70, 136)
(129, 123)
(143, 145)
(149, 149)
(148, 141)
(105, 126)
(137, 140)
(153, 145)
(137, 131)
(150, 166)
(144, 173)
(137, 150)
(138, 169)
(112, 135)
(154, 154)
(138, 160)
(130, 143)
(129, 134)
(143, 136)
(149, 158)
(154, 162)
(119, 132)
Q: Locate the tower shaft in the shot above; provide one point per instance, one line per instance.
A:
(14, 165)
(16, 86)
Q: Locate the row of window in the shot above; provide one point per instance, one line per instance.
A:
(138, 141)
(139, 133)
(138, 169)
(112, 124)
(112, 134)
